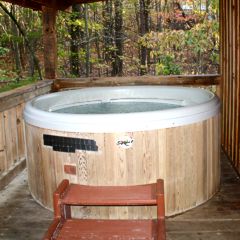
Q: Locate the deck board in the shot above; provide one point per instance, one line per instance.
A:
(21, 218)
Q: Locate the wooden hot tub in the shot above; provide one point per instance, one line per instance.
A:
(178, 142)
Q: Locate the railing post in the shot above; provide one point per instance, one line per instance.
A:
(49, 42)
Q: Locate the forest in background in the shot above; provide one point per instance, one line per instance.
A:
(114, 38)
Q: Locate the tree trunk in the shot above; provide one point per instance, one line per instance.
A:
(207, 6)
(144, 28)
(158, 10)
(16, 44)
(97, 45)
(108, 34)
(117, 64)
(87, 44)
(75, 39)
(31, 67)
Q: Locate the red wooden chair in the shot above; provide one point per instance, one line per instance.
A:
(64, 227)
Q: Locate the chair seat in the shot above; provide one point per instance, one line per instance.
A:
(106, 230)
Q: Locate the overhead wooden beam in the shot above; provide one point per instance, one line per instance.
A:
(85, 1)
(49, 42)
(27, 4)
(57, 5)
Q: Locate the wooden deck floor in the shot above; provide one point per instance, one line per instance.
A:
(21, 218)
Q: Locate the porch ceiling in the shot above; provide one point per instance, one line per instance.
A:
(55, 4)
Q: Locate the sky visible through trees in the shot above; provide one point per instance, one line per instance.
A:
(115, 38)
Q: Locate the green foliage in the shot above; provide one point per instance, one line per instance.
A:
(193, 48)
(163, 42)
(17, 83)
(6, 75)
(166, 66)
(34, 35)
(3, 51)
(7, 38)
(215, 6)
(203, 37)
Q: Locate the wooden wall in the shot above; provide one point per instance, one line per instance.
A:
(12, 144)
(230, 39)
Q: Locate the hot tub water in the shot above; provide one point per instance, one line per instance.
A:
(116, 107)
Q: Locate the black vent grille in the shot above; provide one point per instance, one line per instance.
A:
(67, 144)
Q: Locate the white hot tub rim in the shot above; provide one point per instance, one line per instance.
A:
(196, 111)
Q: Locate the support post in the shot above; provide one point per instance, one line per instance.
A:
(49, 42)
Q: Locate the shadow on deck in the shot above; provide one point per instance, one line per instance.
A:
(22, 218)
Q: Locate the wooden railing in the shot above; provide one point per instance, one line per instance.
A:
(12, 144)
(198, 80)
(230, 35)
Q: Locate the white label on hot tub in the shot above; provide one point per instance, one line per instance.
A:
(125, 142)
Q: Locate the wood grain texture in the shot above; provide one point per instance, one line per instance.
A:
(20, 131)
(198, 80)
(49, 42)
(23, 94)
(186, 157)
(12, 143)
(230, 84)
(3, 157)
(10, 125)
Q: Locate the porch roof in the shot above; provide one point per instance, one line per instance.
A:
(39, 4)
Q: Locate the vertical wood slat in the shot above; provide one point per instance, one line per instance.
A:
(238, 84)
(232, 83)
(225, 69)
(229, 77)
(230, 64)
(235, 145)
(3, 157)
(11, 136)
(20, 131)
(222, 59)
